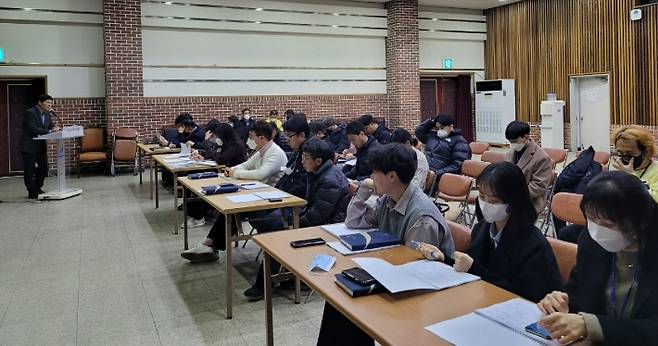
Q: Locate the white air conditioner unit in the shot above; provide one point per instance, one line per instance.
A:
(495, 107)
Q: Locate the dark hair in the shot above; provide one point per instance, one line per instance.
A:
(274, 113)
(289, 112)
(44, 98)
(316, 126)
(394, 157)
(506, 182)
(212, 126)
(262, 128)
(296, 124)
(328, 121)
(516, 129)
(184, 119)
(228, 135)
(623, 199)
(301, 115)
(445, 119)
(318, 149)
(414, 141)
(244, 110)
(354, 128)
(367, 119)
(401, 135)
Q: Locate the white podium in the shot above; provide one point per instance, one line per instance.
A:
(62, 192)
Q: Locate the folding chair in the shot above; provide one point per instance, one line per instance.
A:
(565, 254)
(124, 147)
(493, 156)
(455, 188)
(461, 235)
(478, 148)
(92, 149)
(559, 156)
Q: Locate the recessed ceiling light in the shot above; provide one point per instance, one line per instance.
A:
(259, 9)
(168, 3)
(336, 14)
(257, 22)
(435, 19)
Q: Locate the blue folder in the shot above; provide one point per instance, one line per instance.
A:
(369, 240)
(354, 289)
(221, 188)
(203, 175)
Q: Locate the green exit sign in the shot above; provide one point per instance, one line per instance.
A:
(2, 55)
(448, 63)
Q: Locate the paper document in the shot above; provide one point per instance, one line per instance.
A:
(498, 324)
(252, 185)
(209, 163)
(339, 229)
(351, 162)
(185, 150)
(338, 246)
(418, 275)
(243, 198)
(272, 194)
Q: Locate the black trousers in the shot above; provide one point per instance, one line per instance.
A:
(35, 168)
(337, 329)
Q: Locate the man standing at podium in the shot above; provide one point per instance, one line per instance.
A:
(36, 121)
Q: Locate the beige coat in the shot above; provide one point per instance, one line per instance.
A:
(538, 170)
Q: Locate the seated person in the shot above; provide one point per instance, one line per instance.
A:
(327, 199)
(536, 165)
(188, 133)
(445, 147)
(364, 144)
(335, 134)
(294, 179)
(610, 298)
(635, 151)
(229, 151)
(402, 209)
(209, 144)
(403, 136)
(574, 178)
(507, 249)
(317, 129)
(373, 128)
(280, 139)
(273, 119)
(239, 128)
(264, 165)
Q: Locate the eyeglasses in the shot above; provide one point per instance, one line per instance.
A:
(290, 135)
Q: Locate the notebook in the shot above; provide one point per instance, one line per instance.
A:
(203, 175)
(354, 289)
(339, 229)
(498, 324)
(338, 246)
(369, 240)
(418, 275)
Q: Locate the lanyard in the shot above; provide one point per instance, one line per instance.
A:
(612, 285)
(645, 170)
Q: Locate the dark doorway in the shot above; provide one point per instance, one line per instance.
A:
(452, 95)
(16, 95)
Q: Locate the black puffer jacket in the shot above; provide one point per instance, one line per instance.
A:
(576, 175)
(296, 182)
(382, 135)
(444, 155)
(362, 169)
(338, 138)
(327, 196)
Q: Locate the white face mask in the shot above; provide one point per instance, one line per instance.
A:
(251, 144)
(493, 212)
(517, 146)
(246, 116)
(181, 129)
(609, 239)
(219, 141)
(442, 133)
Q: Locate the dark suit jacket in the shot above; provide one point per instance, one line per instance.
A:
(587, 286)
(522, 263)
(33, 127)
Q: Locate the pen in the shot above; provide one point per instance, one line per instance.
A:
(416, 246)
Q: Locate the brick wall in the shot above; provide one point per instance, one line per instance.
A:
(402, 64)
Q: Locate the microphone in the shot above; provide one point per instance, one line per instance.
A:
(52, 112)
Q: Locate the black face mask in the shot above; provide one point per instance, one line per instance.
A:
(637, 160)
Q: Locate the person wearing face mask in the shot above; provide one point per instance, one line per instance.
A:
(445, 147)
(226, 149)
(635, 150)
(507, 249)
(363, 144)
(245, 119)
(188, 133)
(611, 297)
(536, 165)
(264, 165)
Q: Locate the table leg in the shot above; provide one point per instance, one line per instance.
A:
(141, 168)
(175, 190)
(157, 196)
(184, 218)
(298, 285)
(268, 298)
(229, 266)
(151, 176)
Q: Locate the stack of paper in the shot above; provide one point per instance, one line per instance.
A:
(256, 196)
(499, 324)
(252, 185)
(339, 229)
(418, 275)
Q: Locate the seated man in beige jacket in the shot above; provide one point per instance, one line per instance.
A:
(533, 161)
